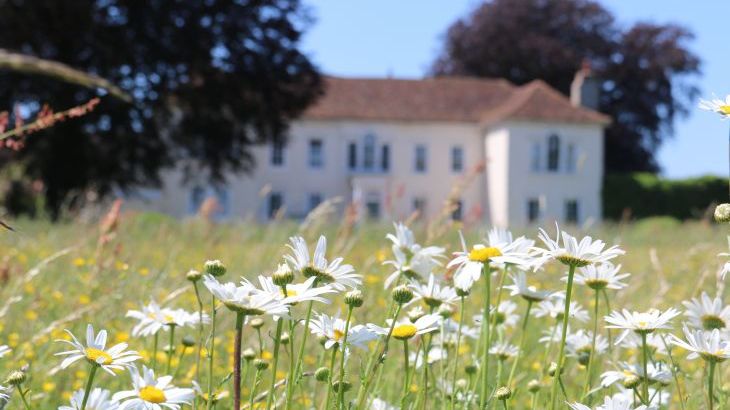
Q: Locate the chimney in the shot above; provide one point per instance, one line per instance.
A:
(585, 88)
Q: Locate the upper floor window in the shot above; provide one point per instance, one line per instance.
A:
(553, 159)
(277, 153)
(315, 199)
(533, 210)
(276, 202)
(571, 211)
(457, 159)
(352, 156)
(570, 158)
(458, 213)
(385, 157)
(535, 157)
(368, 158)
(420, 159)
(209, 200)
(316, 154)
(419, 205)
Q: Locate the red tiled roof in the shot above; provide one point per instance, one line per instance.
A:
(457, 99)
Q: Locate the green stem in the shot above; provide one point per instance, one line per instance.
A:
(561, 354)
(406, 383)
(485, 329)
(646, 373)
(256, 377)
(200, 331)
(261, 342)
(456, 356)
(335, 347)
(179, 361)
(341, 378)
(290, 382)
(25, 401)
(305, 333)
(522, 344)
(592, 353)
(89, 383)
(674, 372)
(710, 385)
(608, 331)
(170, 350)
(237, 361)
(277, 344)
(211, 352)
(155, 343)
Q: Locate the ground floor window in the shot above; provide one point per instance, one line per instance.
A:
(458, 213)
(419, 205)
(314, 200)
(214, 198)
(276, 202)
(533, 210)
(571, 211)
(372, 205)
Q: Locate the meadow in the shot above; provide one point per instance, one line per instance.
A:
(67, 275)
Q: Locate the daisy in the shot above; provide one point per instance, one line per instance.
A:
(4, 350)
(502, 250)
(579, 343)
(641, 323)
(435, 354)
(380, 404)
(710, 346)
(654, 342)
(336, 274)
(616, 402)
(150, 320)
(332, 329)
(572, 252)
(717, 105)
(504, 350)
(706, 313)
(246, 299)
(95, 352)
(295, 292)
(405, 329)
(405, 241)
(503, 315)
(432, 293)
(600, 276)
(658, 373)
(555, 308)
(217, 395)
(4, 395)
(415, 265)
(99, 399)
(527, 292)
(150, 393)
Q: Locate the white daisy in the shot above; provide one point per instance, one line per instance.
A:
(405, 329)
(555, 308)
(654, 342)
(600, 276)
(295, 292)
(412, 265)
(658, 373)
(616, 402)
(332, 328)
(380, 404)
(527, 292)
(406, 242)
(246, 299)
(706, 313)
(4, 350)
(501, 250)
(334, 273)
(150, 393)
(641, 323)
(435, 354)
(504, 315)
(504, 350)
(150, 320)
(580, 343)
(99, 399)
(95, 352)
(432, 293)
(571, 252)
(4, 395)
(717, 105)
(710, 346)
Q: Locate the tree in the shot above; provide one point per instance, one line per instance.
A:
(647, 70)
(208, 79)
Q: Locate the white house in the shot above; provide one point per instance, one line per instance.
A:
(504, 154)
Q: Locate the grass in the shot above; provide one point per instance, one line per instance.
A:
(58, 276)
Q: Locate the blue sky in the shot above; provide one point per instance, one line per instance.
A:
(401, 38)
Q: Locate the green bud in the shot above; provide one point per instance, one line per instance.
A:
(215, 268)
(402, 294)
(322, 374)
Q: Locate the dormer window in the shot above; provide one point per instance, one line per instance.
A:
(553, 159)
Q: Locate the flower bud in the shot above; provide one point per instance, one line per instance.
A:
(533, 386)
(193, 275)
(322, 340)
(284, 338)
(722, 213)
(283, 275)
(553, 368)
(631, 381)
(462, 384)
(470, 369)
(215, 268)
(445, 311)
(260, 364)
(402, 294)
(346, 386)
(256, 323)
(188, 341)
(462, 292)
(416, 313)
(16, 378)
(503, 393)
(353, 298)
(249, 354)
(169, 349)
(322, 374)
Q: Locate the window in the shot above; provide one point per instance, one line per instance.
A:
(533, 210)
(197, 196)
(224, 206)
(352, 156)
(535, 156)
(385, 157)
(372, 205)
(570, 158)
(200, 197)
(368, 158)
(420, 160)
(457, 159)
(571, 211)
(276, 202)
(553, 158)
(458, 213)
(314, 200)
(277, 153)
(316, 156)
(419, 205)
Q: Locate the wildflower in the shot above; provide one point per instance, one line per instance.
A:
(717, 105)
(504, 350)
(502, 315)
(654, 342)
(527, 292)
(354, 298)
(95, 352)
(710, 346)
(503, 393)
(657, 373)
(332, 329)
(412, 261)
(641, 323)
(4, 350)
(380, 404)
(600, 276)
(432, 293)
(555, 308)
(334, 273)
(283, 275)
(16, 378)
(435, 354)
(322, 374)
(405, 329)
(611, 403)
(99, 399)
(193, 275)
(215, 268)
(722, 213)
(579, 345)
(574, 253)
(246, 299)
(295, 292)
(706, 313)
(152, 318)
(150, 393)
(402, 294)
(217, 395)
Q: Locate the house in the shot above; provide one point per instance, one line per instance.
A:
(519, 155)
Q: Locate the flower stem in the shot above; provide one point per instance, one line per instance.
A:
(170, 349)
(179, 361)
(277, 344)
(25, 401)
(406, 384)
(329, 377)
(485, 332)
(155, 343)
(211, 351)
(455, 367)
(256, 377)
(592, 353)
(710, 384)
(87, 391)
(290, 382)
(305, 333)
(237, 361)
(561, 354)
(522, 344)
(341, 378)
(645, 363)
(200, 331)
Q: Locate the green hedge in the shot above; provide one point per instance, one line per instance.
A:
(642, 195)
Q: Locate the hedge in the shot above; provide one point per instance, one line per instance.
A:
(642, 195)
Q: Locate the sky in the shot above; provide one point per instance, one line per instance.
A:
(400, 38)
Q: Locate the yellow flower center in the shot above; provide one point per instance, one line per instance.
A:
(152, 394)
(95, 354)
(710, 322)
(339, 334)
(483, 254)
(725, 109)
(403, 332)
(289, 293)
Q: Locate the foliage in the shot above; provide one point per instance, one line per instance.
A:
(642, 195)
(208, 79)
(645, 69)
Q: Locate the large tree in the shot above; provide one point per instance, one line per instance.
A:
(208, 80)
(647, 69)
